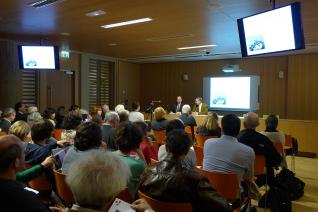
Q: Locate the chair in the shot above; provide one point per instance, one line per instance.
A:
(259, 165)
(125, 195)
(199, 154)
(289, 145)
(153, 161)
(40, 183)
(165, 206)
(279, 147)
(160, 135)
(200, 139)
(2, 133)
(62, 189)
(58, 134)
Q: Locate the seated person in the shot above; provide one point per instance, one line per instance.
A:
(119, 108)
(168, 181)
(60, 115)
(72, 121)
(186, 117)
(275, 136)
(190, 159)
(159, 123)
(88, 136)
(128, 138)
(8, 117)
(123, 117)
(21, 129)
(177, 107)
(261, 146)
(20, 112)
(199, 107)
(34, 118)
(108, 129)
(146, 145)
(49, 114)
(13, 196)
(135, 115)
(226, 154)
(210, 126)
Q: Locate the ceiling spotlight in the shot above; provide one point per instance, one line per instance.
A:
(95, 13)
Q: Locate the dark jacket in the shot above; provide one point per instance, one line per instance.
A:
(20, 116)
(160, 124)
(202, 130)
(5, 125)
(36, 153)
(168, 181)
(108, 136)
(174, 109)
(261, 146)
(188, 120)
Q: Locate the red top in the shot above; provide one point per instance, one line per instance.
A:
(148, 150)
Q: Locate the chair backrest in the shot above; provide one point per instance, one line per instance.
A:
(165, 206)
(288, 140)
(58, 134)
(200, 139)
(279, 147)
(2, 133)
(199, 154)
(153, 161)
(259, 165)
(227, 184)
(63, 191)
(40, 183)
(160, 135)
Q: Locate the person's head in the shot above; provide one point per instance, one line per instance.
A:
(211, 121)
(105, 108)
(119, 108)
(88, 136)
(96, 178)
(9, 114)
(60, 115)
(32, 109)
(198, 100)
(271, 123)
(123, 116)
(178, 143)
(186, 109)
(19, 107)
(135, 106)
(72, 120)
(231, 125)
(34, 117)
(11, 156)
(179, 99)
(174, 124)
(49, 113)
(96, 118)
(127, 137)
(41, 131)
(112, 118)
(142, 126)
(20, 129)
(159, 113)
(251, 120)
(74, 108)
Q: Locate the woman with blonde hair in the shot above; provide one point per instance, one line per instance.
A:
(21, 129)
(160, 123)
(211, 126)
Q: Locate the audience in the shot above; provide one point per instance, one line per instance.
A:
(105, 110)
(211, 126)
(128, 138)
(32, 109)
(119, 108)
(71, 122)
(34, 118)
(60, 115)
(168, 181)
(186, 118)
(8, 118)
(49, 114)
(20, 112)
(96, 118)
(159, 122)
(135, 115)
(74, 108)
(123, 117)
(146, 145)
(88, 136)
(261, 146)
(21, 129)
(226, 154)
(108, 129)
(13, 196)
(190, 159)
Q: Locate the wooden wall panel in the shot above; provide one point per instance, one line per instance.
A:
(164, 80)
(302, 100)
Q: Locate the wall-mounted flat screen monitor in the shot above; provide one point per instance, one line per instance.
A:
(232, 93)
(276, 30)
(39, 57)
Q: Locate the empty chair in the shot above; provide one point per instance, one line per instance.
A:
(200, 139)
(63, 191)
(166, 206)
(279, 147)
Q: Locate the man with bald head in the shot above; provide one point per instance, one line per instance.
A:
(261, 146)
(13, 196)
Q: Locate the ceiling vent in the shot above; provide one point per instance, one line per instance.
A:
(43, 3)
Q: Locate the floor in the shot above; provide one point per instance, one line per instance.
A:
(306, 170)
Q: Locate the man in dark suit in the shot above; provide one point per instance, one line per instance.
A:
(8, 117)
(177, 107)
(20, 112)
(199, 107)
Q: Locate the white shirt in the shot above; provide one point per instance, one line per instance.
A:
(200, 105)
(227, 155)
(135, 116)
(190, 159)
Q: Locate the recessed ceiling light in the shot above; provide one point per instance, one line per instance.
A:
(95, 13)
(196, 47)
(112, 44)
(65, 33)
(136, 21)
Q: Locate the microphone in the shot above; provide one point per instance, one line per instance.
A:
(155, 101)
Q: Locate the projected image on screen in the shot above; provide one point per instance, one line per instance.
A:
(230, 92)
(38, 57)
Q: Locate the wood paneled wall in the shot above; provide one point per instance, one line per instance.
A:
(163, 81)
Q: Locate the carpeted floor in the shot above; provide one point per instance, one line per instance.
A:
(306, 170)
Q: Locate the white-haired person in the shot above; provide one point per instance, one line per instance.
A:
(108, 129)
(187, 118)
(96, 179)
(123, 117)
(119, 108)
